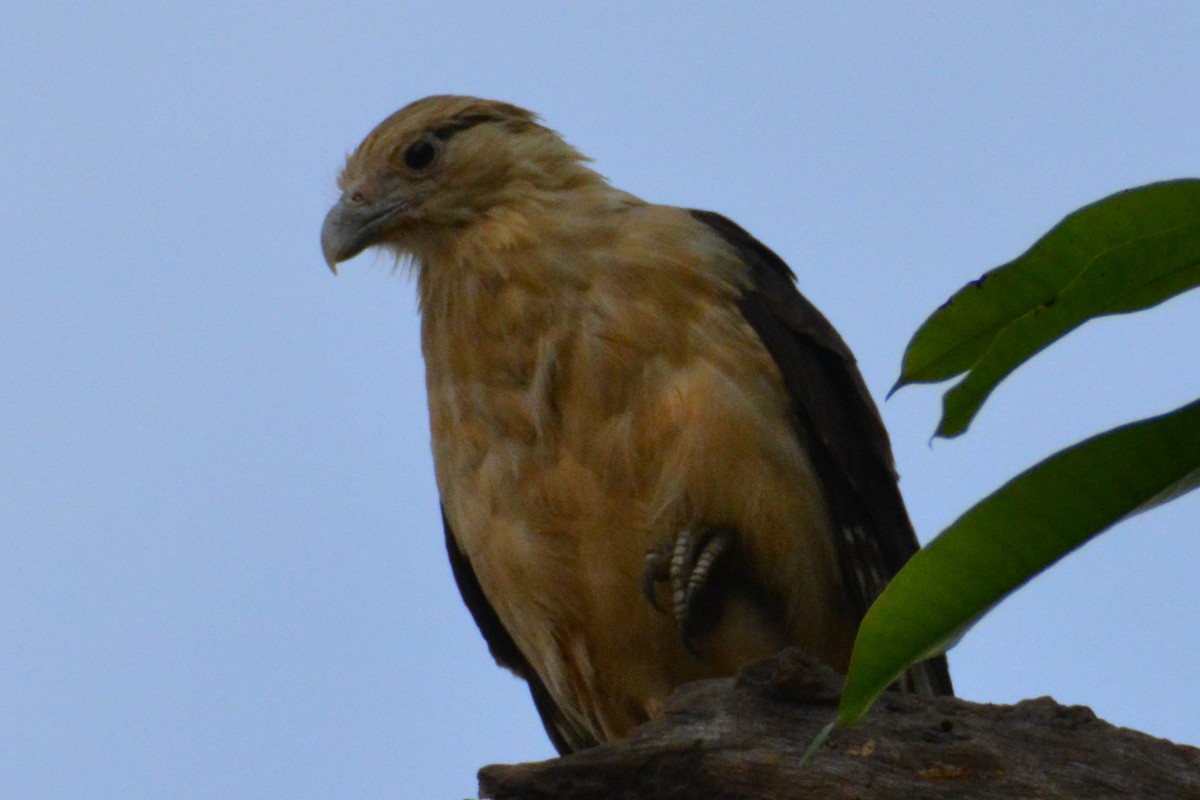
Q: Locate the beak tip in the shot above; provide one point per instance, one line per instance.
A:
(331, 235)
(347, 231)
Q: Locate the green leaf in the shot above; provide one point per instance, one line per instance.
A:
(1012, 535)
(1127, 252)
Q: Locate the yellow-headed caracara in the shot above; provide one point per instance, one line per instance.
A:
(657, 460)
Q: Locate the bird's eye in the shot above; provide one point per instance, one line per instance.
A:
(419, 154)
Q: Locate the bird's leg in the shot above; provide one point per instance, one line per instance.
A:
(687, 566)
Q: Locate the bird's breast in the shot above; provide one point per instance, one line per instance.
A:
(576, 426)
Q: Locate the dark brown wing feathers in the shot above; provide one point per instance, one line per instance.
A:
(837, 417)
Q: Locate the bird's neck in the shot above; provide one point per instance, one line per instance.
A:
(522, 244)
(488, 301)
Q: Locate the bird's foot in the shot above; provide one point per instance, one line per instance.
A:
(687, 565)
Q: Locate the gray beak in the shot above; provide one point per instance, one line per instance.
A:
(350, 229)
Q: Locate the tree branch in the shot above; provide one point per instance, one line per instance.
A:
(744, 738)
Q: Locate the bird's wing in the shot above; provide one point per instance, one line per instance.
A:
(835, 415)
(567, 738)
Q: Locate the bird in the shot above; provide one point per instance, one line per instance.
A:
(657, 461)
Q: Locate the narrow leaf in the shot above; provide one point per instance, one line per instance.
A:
(1129, 277)
(957, 335)
(1012, 535)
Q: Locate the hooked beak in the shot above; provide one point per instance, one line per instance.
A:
(351, 228)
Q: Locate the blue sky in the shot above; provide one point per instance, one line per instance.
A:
(221, 566)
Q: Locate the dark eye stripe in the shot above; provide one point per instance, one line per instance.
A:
(447, 129)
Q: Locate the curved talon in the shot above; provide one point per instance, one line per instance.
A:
(686, 565)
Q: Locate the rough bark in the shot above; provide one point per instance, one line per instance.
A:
(745, 738)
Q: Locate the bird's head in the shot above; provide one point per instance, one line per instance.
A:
(437, 167)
